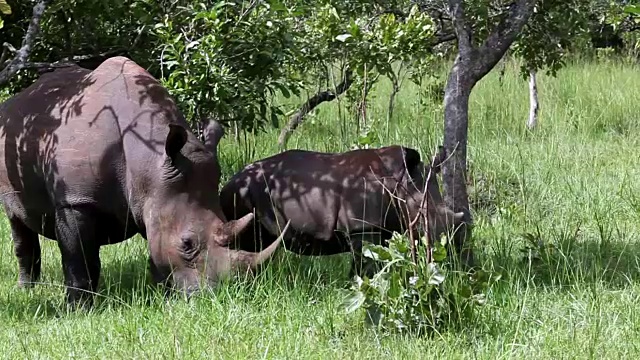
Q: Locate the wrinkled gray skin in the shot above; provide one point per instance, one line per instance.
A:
(327, 196)
(90, 158)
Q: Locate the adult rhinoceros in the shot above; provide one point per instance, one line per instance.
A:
(90, 158)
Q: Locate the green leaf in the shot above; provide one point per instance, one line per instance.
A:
(374, 315)
(274, 119)
(382, 285)
(283, 89)
(464, 291)
(395, 288)
(276, 5)
(400, 244)
(343, 37)
(439, 253)
(376, 252)
(629, 9)
(5, 8)
(192, 44)
(435, 277)
(354, 302)
(1, 23)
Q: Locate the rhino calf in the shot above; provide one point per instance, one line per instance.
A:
(90, 158)
(334, 201)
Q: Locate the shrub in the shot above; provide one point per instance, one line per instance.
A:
(414, 297)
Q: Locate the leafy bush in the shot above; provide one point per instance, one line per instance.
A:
(406, 296)
(5, 9)
(229, 60)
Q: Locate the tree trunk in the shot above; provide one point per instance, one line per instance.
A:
(454, 170)
(311, 104)
(533, 101)
(395, 88)
(472, 64)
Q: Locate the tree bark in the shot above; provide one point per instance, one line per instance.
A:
(317, 99)
(456, 123)
(471, 65)
(533, 100)
(21, 56)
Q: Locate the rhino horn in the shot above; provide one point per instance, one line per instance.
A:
(258, 259)
(253, 260)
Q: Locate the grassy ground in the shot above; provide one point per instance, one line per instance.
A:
(571, 187)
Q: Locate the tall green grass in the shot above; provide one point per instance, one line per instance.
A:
(556, 212)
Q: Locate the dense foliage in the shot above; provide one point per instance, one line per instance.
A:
(230, 58)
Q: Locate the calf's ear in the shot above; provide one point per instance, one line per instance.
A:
(176, 139)
(212, 135)
(411, 158)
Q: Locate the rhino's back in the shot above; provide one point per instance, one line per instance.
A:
(61, 144)
(319, 192)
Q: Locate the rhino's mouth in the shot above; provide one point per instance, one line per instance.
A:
(197, 272)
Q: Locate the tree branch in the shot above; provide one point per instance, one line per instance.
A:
(6, 49)
(499, 41)
(22, 55)
(443, 38)
(461, 26)
(312, 103)
(87, 60)
(46, 66)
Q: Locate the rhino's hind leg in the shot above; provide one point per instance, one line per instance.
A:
(80, 250)
(27, 249)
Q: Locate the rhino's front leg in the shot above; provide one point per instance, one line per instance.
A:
(26, 246)
(80, 250)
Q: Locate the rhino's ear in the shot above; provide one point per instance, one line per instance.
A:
(212, 135)
(411, 158)
(175, 140)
